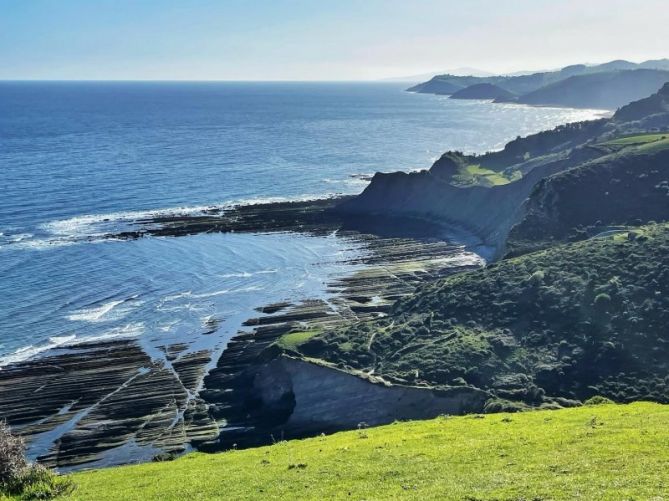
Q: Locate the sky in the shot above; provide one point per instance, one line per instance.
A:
(318, 39)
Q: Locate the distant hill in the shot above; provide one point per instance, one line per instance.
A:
(654, 104)
(608, 90)
(483, 91)
(525, 84)
(463, 71)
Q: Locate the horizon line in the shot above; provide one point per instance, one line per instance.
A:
(178, 80)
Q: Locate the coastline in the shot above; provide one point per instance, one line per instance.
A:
(92, 383)
(188, 397)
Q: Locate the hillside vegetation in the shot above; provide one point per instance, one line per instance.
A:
(547, 328)
(604, 452)
(627, 187)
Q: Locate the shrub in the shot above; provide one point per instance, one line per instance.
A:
(537, 277)
(502, 405)
(26, 480)
(12, 460)
(598, 400)
(602, 299)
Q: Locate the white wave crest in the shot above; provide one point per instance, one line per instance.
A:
(247, 274)
(105, 312)
(27, 352)
(99, 227)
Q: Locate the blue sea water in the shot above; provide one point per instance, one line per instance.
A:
(80, 158)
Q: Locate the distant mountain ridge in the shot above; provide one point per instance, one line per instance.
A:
(609, 85)
(483, 91)
(609, 90)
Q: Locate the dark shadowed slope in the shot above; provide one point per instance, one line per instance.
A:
(608, 90)
(483, 91)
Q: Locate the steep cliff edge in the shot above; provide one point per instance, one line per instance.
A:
(352, 398)
(292, 397)
(485, 194)
(488, 212)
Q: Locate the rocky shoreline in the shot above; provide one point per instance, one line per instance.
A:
(115, 401)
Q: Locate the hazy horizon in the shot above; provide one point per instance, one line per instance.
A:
(299, 40)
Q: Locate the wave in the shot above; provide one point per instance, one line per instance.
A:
(101, 312)
(93, 228)
(31, 351)
(247, 274)
(27, 352)
(93, 314)
(204, 295)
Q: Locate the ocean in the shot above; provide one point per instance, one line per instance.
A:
(81, 159)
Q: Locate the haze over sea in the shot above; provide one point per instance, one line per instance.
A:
(78, 159)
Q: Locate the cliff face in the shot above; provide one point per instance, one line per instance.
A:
(491, 211)
(301, 398)
(488, 212)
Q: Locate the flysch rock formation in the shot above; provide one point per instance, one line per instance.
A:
(116, 401)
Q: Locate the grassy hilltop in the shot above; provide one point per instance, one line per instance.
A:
(601, 452)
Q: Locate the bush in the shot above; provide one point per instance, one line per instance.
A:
(26, 480)
(494, 405)
(12, 460)
(602, 300)
(598, 400)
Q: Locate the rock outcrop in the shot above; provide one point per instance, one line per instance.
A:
(488, 212)
(290, 392)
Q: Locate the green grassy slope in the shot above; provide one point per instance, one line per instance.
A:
(565, 323)
(599, 452)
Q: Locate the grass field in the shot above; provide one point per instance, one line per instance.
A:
(477, 175)
(637, 139)
(606, 452)
(292, 340)
(643, 143)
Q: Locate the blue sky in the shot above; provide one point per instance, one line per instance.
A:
(318, 39)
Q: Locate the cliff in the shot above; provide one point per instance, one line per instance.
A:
(484, 194)
(295, 388)
(290, 397)
(488, 212)
(483, 91)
